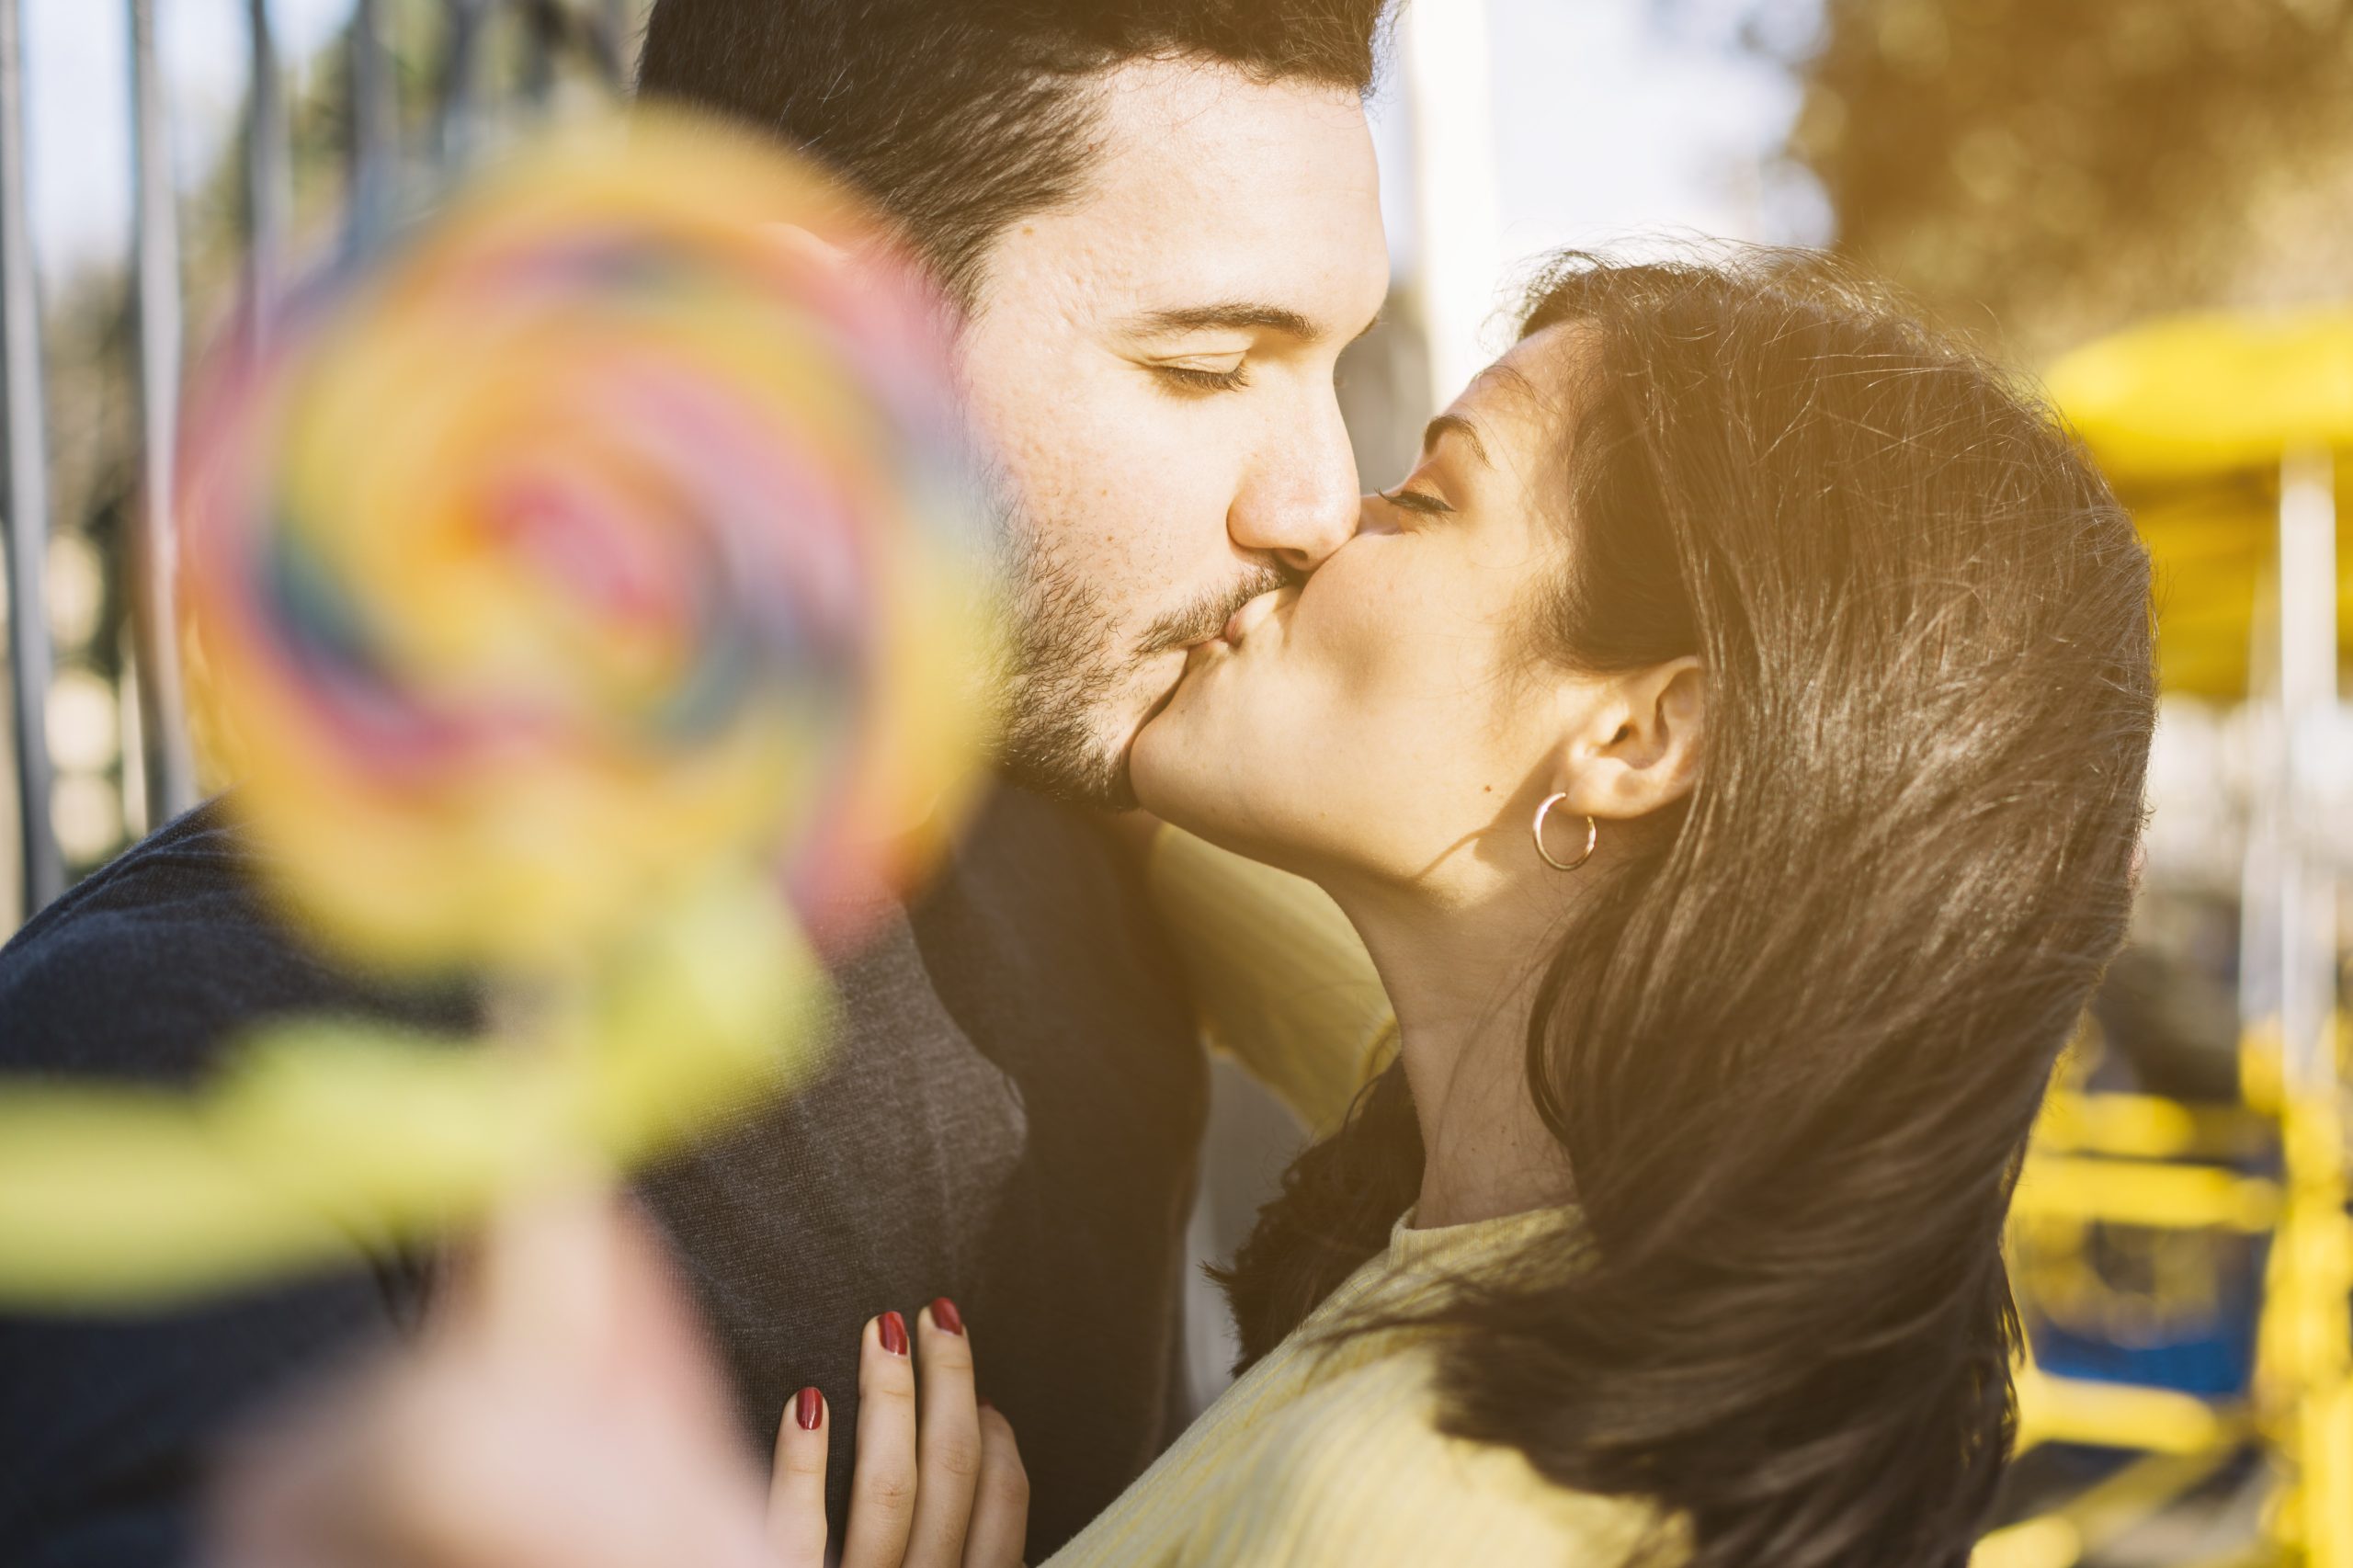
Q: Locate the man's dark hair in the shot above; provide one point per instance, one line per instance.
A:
(962, 117)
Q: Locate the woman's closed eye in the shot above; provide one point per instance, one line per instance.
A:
(1416, 500)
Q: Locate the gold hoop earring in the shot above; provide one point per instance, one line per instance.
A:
(1592, 836)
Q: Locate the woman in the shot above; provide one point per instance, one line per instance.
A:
(1728, 742)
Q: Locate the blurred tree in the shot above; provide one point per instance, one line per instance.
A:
(2064, 168)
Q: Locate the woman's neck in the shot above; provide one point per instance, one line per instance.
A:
(1463, 978)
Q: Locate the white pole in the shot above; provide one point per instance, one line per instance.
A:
(1457, 222)
(24, 484)
(2308, 637)
(170, 788)
(2319, 1274)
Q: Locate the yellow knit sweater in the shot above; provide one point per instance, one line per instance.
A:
(1324, 1455)
(1330, 1455)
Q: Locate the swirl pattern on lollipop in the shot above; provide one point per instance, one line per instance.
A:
(618, 531)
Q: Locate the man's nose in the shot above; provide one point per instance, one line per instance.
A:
(1299, 502)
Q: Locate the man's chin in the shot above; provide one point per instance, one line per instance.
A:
(1067, 759)
(1069, 731)
(1152, 710)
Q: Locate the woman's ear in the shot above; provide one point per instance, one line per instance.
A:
(1638, 748)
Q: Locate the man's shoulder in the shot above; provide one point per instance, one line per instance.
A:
(149, 964)
(144, 971)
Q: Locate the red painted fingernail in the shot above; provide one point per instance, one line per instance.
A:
(984, 1404)
(809, 1409)
(944, 1314)
(894, 1334)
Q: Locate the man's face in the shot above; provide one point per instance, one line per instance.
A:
(1154, 364)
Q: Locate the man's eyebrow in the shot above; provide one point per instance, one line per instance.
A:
(1241, 315)
(1461, 427)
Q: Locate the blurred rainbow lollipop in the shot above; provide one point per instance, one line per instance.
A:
(593, 600)
(612, 533)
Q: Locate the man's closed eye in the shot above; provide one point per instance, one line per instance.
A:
(1205, 379)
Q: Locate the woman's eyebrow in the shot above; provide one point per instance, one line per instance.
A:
(1459, 426)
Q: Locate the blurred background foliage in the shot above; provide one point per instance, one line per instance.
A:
(2044, 172)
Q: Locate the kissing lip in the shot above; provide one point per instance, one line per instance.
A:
(1168, 692)
(1158, 704)
(1192, 652)
(1237, 625)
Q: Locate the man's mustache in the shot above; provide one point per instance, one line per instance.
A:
(1205, 618)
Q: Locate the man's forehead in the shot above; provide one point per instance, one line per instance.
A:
(1211, 192)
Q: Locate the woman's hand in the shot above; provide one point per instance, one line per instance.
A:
(563, 1413)
(939, 1482)
(560, 1412)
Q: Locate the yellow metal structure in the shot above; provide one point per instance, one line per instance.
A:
(2229, 437)
(2191, 418)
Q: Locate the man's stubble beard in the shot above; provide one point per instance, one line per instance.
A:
(1059, 676)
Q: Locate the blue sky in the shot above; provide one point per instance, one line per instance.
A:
(1607, 124)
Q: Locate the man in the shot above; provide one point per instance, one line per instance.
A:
(1161, 216)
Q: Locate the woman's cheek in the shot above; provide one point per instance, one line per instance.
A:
(1378, 640)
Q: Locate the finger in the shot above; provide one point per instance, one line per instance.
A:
(797, 1485)
(1000, 1525)
(542, 1285)
(607, 1448)
(574, 1286)
(658, 1342)
(947, 1438)
(882, 1487)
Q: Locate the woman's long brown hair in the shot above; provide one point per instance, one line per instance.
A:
(1793, 1044)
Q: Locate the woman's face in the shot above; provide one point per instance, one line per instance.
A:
(1384, 716)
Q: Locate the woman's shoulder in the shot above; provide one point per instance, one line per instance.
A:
(1357, 1471)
